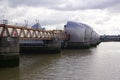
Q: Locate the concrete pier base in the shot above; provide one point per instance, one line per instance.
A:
(9, 51)
(73, 45)
(53, 45)
(93, 44)
(76, 45)
(87, 45)
(9, 60)
(48, 46)
(39, 50)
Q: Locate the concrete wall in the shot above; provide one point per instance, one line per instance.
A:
(9, 51)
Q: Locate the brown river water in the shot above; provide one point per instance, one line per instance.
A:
(99, 63)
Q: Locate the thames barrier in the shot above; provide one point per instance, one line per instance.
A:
(19, 39)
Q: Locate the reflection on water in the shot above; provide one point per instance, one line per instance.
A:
(9, 73)
(100, 63)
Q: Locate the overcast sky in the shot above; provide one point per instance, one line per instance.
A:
(102, 15)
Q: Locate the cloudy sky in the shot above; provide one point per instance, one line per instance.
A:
(102, 15)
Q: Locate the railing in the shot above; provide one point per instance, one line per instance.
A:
(30, 33)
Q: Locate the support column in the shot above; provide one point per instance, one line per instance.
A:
(53, 45)
(9, 51)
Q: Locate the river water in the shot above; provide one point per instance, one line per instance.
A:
(100, 63)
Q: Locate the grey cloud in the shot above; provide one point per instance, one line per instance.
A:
(65, 4)
(43, 3)
(114, 9)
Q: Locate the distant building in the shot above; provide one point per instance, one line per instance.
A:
(38, 26)
(110, 38)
